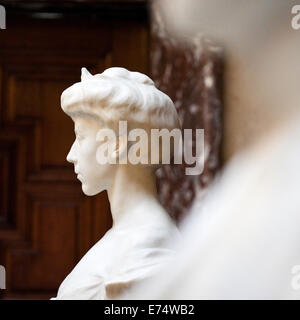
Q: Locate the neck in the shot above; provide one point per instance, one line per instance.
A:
(133, 196)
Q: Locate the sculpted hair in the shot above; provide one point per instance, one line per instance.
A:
(119, 94)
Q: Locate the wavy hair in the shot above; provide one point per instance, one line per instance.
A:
(119, 94)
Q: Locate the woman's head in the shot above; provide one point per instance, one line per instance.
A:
(101, 102)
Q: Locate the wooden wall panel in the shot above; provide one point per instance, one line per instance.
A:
(46, 223)
(7, 180)
(33, 269)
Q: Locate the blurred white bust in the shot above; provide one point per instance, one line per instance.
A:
(243, 241)
(141, 238)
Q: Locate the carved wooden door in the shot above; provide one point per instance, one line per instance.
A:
(46, 223)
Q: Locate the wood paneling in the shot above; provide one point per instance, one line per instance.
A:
(46, 223)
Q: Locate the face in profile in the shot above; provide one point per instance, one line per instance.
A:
(93, 176)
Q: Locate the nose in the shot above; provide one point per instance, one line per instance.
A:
(71, 157)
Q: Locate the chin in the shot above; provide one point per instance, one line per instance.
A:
(88, 191)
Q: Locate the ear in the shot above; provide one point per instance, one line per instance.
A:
(111, 147)
(120, 151)
(85, 75)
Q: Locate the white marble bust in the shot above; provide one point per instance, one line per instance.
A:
(140, 240)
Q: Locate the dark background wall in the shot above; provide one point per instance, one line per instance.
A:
(46, 223)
